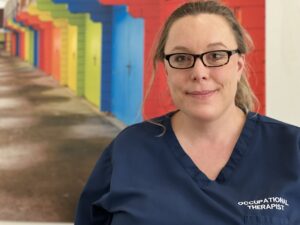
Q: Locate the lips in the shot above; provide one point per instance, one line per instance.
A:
(201, 93)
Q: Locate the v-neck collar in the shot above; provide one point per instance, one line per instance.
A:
(239, 151)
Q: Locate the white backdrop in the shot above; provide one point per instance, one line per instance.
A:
(283, 60)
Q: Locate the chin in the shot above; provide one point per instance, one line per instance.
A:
(204, 113)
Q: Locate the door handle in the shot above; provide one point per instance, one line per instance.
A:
(128, 66)
(95, 60)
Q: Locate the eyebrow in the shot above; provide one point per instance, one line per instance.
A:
(180, 48)
(216, 44)
(183, 48)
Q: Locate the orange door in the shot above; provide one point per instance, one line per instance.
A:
(56, 53)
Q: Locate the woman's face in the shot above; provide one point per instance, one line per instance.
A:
(203, 92)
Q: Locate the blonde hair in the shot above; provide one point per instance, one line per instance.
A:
(244, 98)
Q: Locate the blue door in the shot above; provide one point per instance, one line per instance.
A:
(36, 49)
(17, 44)
(127, 66)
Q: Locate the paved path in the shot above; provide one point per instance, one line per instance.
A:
(49, 141)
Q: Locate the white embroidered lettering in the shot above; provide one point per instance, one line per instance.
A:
(270, 203)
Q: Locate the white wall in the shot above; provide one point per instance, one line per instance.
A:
(10, 9)
(283, 60)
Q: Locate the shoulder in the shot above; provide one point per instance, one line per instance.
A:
(138, 141)
(268, 121)
(142, 133)
(273, 126)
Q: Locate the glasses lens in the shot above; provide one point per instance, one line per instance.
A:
(215, 58)
(181, 61)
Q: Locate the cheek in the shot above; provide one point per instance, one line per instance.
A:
(232, 84)
(171, 85)
(173, 80)
(228, 81)
(175, 86)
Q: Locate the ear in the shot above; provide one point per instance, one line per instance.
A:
(241, 66)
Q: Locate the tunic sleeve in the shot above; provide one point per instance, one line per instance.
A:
(97, 185)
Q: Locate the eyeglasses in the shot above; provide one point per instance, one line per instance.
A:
(209, 59)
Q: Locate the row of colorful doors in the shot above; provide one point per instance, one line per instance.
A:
(108, 48)
(125, 78)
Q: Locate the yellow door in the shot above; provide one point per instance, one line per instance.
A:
(64, 64)
(8, 42)
(72, 57)
(26, 43)
(93, 62)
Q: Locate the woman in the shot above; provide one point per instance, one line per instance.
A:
(210, 162)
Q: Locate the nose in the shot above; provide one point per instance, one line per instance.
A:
(200, 71)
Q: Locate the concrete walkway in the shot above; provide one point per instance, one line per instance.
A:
(49, 142)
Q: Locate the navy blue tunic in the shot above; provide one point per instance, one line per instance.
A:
(142, 179)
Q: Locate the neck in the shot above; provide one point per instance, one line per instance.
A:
(225, 128)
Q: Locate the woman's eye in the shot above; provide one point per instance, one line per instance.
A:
(216, 55)
(182, 58)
